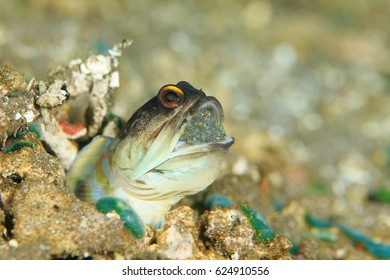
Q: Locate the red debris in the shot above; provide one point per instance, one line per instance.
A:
(73, 130)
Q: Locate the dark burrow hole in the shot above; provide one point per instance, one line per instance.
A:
(9, 225)
(16, 178)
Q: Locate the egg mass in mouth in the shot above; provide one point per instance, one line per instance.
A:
(203, 127)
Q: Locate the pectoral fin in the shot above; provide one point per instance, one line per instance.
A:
(158, 152)
(84, 176)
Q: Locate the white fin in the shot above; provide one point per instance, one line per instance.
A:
(157, 153)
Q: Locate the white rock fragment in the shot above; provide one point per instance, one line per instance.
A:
(30, 84)
(241, 166)
(111, 129)
(98, 105)
(115, 52)
(83, 223)
(117, 48)
(79, 83)
(75, 62)
(113, 215)
(99, 64)
(13, 243)
(42, 87)
(29, 116)
(341, 253)
(180, 243)
(84, 69)
(114, 62)
(53, 96)
(177, 237)
(44, 247)
(114, 80)
(18, 116)
(235, 256)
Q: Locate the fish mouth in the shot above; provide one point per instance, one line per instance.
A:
(202, 125)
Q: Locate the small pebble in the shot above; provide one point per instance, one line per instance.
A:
(44, 247)
(29, 116)
(13, 243)
(240, 167)
(340, 253)
(114, 81)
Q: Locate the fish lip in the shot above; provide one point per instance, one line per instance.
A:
(229, 141)
(225, 143)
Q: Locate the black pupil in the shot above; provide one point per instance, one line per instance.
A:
(172, 96)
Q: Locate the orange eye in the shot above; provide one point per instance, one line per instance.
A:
(170, 96)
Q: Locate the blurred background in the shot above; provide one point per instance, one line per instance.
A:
(304, 84)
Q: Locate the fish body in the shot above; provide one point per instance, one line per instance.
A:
(171, 147)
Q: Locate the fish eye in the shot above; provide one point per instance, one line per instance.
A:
(170, 96)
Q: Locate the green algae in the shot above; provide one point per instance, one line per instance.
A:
(132, 222)
(264, 232)
(217, 200)
(379, 250)
(17, 146)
